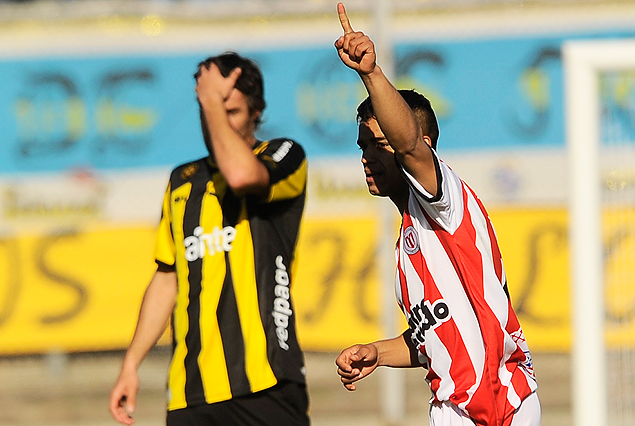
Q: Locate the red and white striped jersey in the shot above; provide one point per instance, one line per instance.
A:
(452, 288)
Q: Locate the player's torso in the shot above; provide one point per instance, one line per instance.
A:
(450, 285)
(233, 265)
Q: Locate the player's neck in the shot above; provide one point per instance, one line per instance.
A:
(400, 200)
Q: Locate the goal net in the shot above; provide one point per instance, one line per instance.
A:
(600, 114)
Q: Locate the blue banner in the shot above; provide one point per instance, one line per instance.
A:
(121, 112)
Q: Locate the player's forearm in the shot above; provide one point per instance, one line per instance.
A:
(236, 161)
(156, 308)
(396, 352)
(393, 114)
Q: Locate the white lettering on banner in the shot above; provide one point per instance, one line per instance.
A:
(219, 240)
(282, 151)
(281, 304)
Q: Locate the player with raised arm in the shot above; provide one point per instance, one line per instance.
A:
(450, 281)
(224, 252)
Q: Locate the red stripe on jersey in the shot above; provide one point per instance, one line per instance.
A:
(462, 373)
(418, 263)
(497, 257)
(519, 382)
(512, 320)
(434, 380)
(467, 260)
(520, 387)
(513, 329)
(405, 296)
(508, 420)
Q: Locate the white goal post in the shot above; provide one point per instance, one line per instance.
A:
(583, 62)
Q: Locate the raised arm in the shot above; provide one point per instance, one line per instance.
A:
(230, 127)
(395, 118)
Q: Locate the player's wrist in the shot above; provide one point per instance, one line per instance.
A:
(130, 365)
(211, 100)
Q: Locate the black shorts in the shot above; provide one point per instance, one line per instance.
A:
(285, 404)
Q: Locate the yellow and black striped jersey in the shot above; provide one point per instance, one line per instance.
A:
(233, 324)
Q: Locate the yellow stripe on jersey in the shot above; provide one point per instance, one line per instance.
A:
(181, 321)
(258, 370)
(290, 187)
(164, 244)
(215, 380)
(261, 148)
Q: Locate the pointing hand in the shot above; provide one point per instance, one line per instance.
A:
(355, 48)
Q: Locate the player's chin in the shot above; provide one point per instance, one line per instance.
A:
(372, 188)
(377, 192)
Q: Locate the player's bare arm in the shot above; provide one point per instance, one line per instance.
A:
(358, 361)
(395, 117)
(231, 127)
(156, 308)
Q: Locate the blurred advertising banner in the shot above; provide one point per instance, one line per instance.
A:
(73, 272)
(90, 127)
(139, 110)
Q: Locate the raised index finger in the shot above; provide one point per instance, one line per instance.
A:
(346, 24)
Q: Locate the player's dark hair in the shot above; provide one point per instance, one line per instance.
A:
(419, 104)
(250, 81)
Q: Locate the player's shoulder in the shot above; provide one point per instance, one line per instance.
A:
(281, 154)
(279, 148)
(187, 172)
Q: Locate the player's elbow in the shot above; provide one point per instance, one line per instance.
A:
(248, 183)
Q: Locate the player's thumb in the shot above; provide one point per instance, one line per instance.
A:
(363, 353)
(130, 405)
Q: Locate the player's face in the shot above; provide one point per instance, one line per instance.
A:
(239, 116)
(378, 158)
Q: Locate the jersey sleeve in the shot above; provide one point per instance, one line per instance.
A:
(446, 208)
(287, 165)
(164, 248)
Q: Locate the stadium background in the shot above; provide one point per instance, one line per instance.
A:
(97, 104)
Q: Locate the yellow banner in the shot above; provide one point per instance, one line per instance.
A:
(80, 290)
(337, 286)
(337, 289)
(72, 290)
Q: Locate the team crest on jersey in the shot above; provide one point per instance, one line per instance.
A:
(410, 240)
(189, 171)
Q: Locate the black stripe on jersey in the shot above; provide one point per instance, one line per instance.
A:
(232, 336)
(227, 311)
(194, 381)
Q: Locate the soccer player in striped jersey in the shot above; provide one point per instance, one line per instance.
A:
(450, 281)
(225, 251)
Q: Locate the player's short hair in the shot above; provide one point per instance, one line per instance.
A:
(419, 104)
(250, 81)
